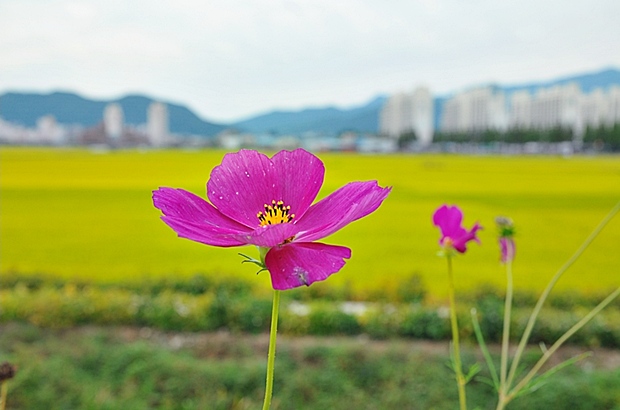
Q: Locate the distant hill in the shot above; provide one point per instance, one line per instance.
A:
(69, 108)
(328, 120)
(587, 82)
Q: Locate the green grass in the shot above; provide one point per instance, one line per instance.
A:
(131, 368)
(77, 213)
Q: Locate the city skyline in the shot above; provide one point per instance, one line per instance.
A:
(562, 104)
(489, 108)
(233, 61)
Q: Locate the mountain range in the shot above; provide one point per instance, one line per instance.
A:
(70, 108)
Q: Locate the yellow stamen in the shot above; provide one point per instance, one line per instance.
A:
(276, 213)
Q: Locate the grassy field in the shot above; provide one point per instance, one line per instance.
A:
(78, 213)
(132, 368)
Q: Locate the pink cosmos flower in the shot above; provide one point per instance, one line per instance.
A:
(453, 235)
(267, 202)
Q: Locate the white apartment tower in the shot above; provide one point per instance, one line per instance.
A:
(601, 107)
(557, 106)
(487, 108)
(406, 112)
(613, 105)
(48, 130)
(113, 120)
(594, 107)
(475, 110)
(422, 115)
(520, 116)
(157, 123)
(391, 117)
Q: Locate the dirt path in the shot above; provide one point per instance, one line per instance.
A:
(219, 344)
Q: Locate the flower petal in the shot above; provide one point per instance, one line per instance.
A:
(301, 178)
(194, 218)
(448, 219)
(460, 243)
(349, 203)
(268, 236)
(298, 264)
(247, 180)
(241, 185)
(508, 249)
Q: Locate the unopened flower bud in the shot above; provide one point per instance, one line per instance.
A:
(506, 242)
(7, 371)
(505, 226)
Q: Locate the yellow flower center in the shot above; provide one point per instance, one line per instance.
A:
(276, 213)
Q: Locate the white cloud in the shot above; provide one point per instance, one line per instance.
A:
(230, 59)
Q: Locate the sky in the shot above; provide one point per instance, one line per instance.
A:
(232, 59)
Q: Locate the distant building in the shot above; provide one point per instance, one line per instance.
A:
(407, 112)
(113, 121)
(391, 117)
(157, 124)
(557, 106)
(613, 105)
(601, 107)
(48, 130)
(564, 106)
(15, 133)
(520, 115)
(475, 110)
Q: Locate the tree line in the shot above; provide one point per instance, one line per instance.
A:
(602, 138)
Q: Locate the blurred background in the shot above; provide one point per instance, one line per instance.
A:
(503, 109)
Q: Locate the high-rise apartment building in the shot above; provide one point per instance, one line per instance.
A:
(601, 107)
(407, 112)
(564, 106)
(520, 113)
(48, 130)
(475, 110)
(557, 106)
(157, 123)
(113, 120)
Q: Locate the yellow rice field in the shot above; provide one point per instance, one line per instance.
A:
(88, 214)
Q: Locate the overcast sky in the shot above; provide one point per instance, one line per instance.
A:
(230, 59)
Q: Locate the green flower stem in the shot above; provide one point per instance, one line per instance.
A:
(458, 368)
(545, 294)
(503, 388)
(271, 358)
(559, 343)
(3, 394)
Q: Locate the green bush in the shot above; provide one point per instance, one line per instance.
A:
(293, 323)
(423, 323)
(251, 315)
(330, 320)
(207, 306)
(382, 322)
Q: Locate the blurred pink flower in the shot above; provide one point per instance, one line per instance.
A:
(267, 202)
(507, 247)
(506, 241)
(453, 235)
